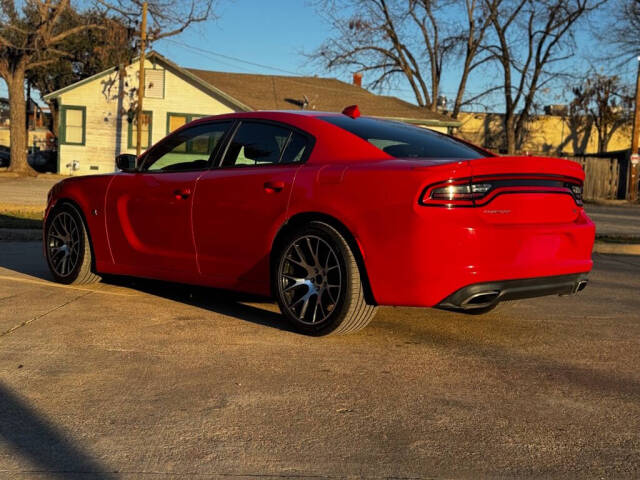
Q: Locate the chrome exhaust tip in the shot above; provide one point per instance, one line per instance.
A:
(580, 286)
(481, 299)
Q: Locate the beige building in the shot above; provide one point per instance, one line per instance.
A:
(547, 134)
(97, 121)
(39, 118)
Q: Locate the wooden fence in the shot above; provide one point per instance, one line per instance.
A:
(601, 177)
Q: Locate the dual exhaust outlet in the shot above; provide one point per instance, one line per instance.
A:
(489, 297)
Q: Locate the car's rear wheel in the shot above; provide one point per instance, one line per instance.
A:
(318, 283)
(67, 247)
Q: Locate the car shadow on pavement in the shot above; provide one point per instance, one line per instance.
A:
(455, 333)
(224, 302)
(48, 449)
(26, 258)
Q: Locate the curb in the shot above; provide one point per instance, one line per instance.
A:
(616, 248)
(20, 235)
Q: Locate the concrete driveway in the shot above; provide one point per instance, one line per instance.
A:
(147, 380)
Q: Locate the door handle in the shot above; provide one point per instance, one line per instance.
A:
(274, 187)
(182, 193)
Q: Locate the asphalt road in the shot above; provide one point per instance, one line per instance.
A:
(615, 220)
(148, 380)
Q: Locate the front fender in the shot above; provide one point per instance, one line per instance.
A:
(88, 194)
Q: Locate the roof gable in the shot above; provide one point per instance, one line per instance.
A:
(156, 58)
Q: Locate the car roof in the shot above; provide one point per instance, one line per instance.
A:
(270, 113)
(329, 139)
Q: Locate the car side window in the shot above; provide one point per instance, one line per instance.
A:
(262, 144)
(188, 150)
(296, 149)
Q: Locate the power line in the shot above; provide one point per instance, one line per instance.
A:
(270, 67)
(229, 57)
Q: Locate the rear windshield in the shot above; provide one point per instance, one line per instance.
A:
(405, 141)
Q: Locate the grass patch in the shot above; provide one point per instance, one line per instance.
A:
(30, 219)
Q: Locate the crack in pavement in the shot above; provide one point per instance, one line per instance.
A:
(67, 287)
(27, 322)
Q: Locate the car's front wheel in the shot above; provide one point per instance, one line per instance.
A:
(318, 283)
(67, 247)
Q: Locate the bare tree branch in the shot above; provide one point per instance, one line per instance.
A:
(30, 39)
(409, 40)
(529, 37)
(604, 102)
(167, 18)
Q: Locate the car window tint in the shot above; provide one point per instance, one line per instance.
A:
(295, 149)
(405, 141)
(190, 149)
(256, 144)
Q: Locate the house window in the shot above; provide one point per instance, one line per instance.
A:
(176, 120)
(147, 124)
(73, 125)
(154, 83)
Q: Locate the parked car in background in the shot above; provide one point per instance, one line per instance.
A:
(5, 156)
(331, 214)
(40, 160)
(43, 160)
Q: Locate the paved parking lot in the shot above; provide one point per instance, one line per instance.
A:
(147, 380)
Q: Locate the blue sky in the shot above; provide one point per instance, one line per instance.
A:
(271, 33)
(270, 36)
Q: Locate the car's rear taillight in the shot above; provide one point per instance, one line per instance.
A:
(478, 191)
(467, 191)
(576, 190)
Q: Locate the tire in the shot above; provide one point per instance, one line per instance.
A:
(318, 283)
(67, 247)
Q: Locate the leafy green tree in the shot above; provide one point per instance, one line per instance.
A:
(30, 37)
(85, 54)
(39, 34)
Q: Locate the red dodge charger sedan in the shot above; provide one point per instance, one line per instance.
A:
(331, 214)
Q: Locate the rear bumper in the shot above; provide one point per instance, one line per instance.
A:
(440, 252)
(487, 294)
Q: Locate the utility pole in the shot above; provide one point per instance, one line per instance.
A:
(635, 140)
(27, 115)
(143, 46)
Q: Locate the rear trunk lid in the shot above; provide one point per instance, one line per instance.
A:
(526, 190)
(526, 165)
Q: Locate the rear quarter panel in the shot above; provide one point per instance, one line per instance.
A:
(378, 203)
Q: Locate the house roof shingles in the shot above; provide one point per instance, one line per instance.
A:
(275, 92)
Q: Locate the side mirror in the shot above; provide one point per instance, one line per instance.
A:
(126, 162)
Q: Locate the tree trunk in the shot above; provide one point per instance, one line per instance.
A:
(602, 138)
(510, 133)
(435, 90)
(602, 143)
(53, 108)
(462, 86)
(18, 129)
